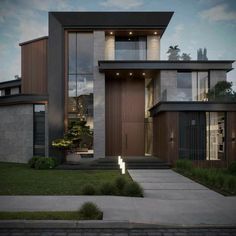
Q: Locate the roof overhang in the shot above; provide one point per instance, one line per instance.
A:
(10, 83)
(23, 99)
(113, 20)
(192, 106)
(165, 65)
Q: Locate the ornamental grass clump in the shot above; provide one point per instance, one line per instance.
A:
(133, 190)
(90, 211)
(108, 188)
(120, 183)
(184, 165)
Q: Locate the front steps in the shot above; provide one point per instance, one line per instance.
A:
(110, 163)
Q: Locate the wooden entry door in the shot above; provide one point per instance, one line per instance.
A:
(125, 109)
(133, 111)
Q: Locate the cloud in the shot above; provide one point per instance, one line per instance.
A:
(122, 4)
(218, 13)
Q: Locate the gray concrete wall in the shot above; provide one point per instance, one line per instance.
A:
(153, 47)
(99, 96)
(16, 133)
(110, 47)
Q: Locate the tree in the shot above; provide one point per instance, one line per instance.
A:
(185, 57)
(78, 135)
(173, 52)
(222, 91)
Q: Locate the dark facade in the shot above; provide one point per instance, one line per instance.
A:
(104, 68)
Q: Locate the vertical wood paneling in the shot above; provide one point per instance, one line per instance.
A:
(125, 100)
(34, 67)
(165, 125)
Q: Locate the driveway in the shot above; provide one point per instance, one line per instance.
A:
(169, 185)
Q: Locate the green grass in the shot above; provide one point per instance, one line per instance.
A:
(45, 215)
(19, 179)
(220, 180)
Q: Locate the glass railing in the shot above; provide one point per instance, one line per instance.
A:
(140, 54)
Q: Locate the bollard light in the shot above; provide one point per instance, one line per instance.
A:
(123, 168)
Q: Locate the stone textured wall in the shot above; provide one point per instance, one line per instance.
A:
(110, 47)
(153, 47)
(16, 133)
(99, 96)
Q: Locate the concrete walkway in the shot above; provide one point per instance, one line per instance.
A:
(170, 199)
(169, 185)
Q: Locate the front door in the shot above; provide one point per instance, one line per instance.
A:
(133, 103)
(125, 111)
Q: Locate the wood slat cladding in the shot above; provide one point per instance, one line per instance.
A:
(230, 135)
(125, 102)
(34, 67)
(166, 136)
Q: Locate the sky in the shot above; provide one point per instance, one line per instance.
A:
(195, 24)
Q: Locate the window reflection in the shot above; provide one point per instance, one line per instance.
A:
(80, 87)
(130, 48)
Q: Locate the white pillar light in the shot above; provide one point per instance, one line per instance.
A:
(123, 168)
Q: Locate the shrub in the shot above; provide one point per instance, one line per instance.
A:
(120, 183)
(90, 211)
(32, 162)
(232, 168)
(108, 189)
(230, 184)
(133, 190)
(88, 189)
(44, 163)
(185, 165)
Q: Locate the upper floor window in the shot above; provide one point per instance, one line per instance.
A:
(131, 48)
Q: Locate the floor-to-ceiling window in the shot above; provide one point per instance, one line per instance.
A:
(80, 82)
(215, 135)
(192, 86)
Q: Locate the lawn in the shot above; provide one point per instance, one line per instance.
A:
(220, 180)
(19, 179)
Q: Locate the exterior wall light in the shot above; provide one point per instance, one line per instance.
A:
(172, 137)
(143, 74)
(111, 33)
(130, 74)
(130, 33)
(155, 33)
(117, 74)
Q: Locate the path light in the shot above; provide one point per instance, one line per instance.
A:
(123, 168)
(119, 160)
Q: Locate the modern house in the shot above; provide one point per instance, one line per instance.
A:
(105, 68)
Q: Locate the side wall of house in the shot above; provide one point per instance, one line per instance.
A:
(16, 127)
(34, 67)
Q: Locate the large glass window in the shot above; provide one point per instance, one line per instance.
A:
(131, 48)
(39, 130)
(192, 86)
(215, 132)
(80, 83)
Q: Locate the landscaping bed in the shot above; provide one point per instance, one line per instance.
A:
(220, 180)
(19, 179)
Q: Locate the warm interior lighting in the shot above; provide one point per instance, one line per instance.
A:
(130, 33)
(130, 74)
(155, 33)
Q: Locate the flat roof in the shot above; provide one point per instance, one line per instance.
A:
(165, 65)
(33, 40)
(10, 83)
(114, 20)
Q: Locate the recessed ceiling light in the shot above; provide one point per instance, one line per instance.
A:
(117, 74)
(130, 33)
(130, 74)
(111, 33)
(155, 33)
(143, 73)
